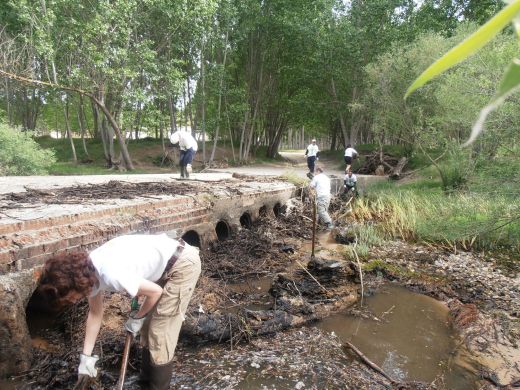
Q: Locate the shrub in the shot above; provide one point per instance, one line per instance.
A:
(21, 155)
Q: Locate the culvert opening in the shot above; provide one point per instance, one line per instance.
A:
(41, 314)
(277, 210)
(263, 211)
(245, 220)
(222, 230)
(192, 238)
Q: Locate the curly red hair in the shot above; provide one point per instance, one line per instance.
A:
(67, 276)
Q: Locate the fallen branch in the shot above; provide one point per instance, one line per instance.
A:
(360, 272)
(313, 278)
(371, 364)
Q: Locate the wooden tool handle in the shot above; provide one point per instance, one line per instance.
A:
(124, 362)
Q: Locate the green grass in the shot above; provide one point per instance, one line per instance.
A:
(420, 211)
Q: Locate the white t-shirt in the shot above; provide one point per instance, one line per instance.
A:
(322, 184)
(186, 140)
(312, 150)
(124, 262)
(350, 180)
(349, 152)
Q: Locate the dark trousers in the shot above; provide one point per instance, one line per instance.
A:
(186, 157)
(348, 160)
(311, 161)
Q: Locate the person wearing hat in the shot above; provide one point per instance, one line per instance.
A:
(188, 147)
(160, 269)
(312, 154)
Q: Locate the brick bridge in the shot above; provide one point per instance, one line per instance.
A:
(31, 233)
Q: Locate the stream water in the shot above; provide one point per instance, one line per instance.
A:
(408, 336)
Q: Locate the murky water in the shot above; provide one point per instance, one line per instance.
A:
(408, 336)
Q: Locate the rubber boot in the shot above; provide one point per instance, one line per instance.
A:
(144, 372)
(186, 173)
(160, 376)
(183, 171)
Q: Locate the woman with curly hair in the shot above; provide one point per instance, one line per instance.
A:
(162, 270)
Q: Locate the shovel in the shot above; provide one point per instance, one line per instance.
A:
(124, 362)
(134, 306)
(313, 225)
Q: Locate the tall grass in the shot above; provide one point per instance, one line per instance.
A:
(462, 219)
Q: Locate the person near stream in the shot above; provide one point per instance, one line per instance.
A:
(350, 155)
(188, 147)
(312, 152)
(162, 270)
(350, 182)
(321, 184)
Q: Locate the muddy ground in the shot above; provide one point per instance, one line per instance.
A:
(245, 327)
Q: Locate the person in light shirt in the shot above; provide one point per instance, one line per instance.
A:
(188, 147)
(350, 182)
(160, 269)
(350, 154)
(321, 183)
(312, 152)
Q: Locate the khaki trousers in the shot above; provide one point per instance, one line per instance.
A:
(322, 205)
(160, 332)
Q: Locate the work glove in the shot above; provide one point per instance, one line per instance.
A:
(188, 168)
(134, 325)
(87, 365)
(317, 159)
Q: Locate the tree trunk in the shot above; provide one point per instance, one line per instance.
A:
(173, 123)
(230, 131)
(217, 130)
(242, 136)
(193, 130)
(203, 81)
(82, 125)
(69, 132)
(336, 103)
(396, 172)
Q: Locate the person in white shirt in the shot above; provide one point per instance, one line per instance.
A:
(350, 182)
(188, 147)
(162, 270)
(350, 154)
(312, 152)
(321, 183)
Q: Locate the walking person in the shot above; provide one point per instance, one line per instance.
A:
(350, 155)
(321, 183)
(162, 270)
(188, 147)
(312, 153)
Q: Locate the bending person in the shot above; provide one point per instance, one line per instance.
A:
(188, 147)
(162, 270)
(350, 155)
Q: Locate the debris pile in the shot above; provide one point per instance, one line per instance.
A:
(85, 193)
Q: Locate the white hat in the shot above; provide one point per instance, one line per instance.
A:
(175, 138)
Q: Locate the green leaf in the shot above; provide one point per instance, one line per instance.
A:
(469, 46)
(510, 84)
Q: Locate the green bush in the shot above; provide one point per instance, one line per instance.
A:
(21, 155)
(455, 171)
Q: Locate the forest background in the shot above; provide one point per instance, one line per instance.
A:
(255, 76)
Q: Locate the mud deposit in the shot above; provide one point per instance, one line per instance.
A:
(251, 323)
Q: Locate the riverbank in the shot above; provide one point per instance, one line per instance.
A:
(250, 321)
